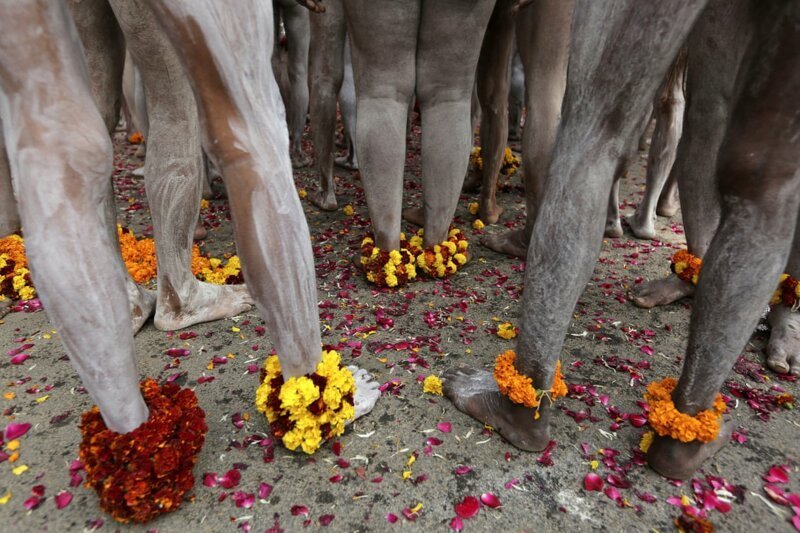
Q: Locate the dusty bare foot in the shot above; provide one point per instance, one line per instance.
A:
(512, 242)
(200, 231)
(300, 159)
(415, 215)
(783, 350)
(348, 162)
(661, 292)
(475, 393)
(643, 229)
(142, 304)
(206, 302)
(679, 460)
(489, 211)
(324, 200)
(473, 181)
(5, 307)
(613, 227)
(367, 392)
(668, 203)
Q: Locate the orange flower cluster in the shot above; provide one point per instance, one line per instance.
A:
(788, 292)
(388, 268)
(441, 260)
(145, 473)
(519, 388)
(136, 138)
(667, 421)
(687, 266)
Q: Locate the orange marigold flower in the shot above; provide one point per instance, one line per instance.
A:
(686, 266)
(519, 388)
(667, 421)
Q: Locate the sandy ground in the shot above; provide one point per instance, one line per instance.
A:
(611, 351)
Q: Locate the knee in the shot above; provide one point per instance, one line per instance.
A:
(751, 171)
(430, 94)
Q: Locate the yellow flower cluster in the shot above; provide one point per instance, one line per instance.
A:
(788, 292)
(213, 270)
(348, 210)
(687, 266)
(432, 385)
(473, 208)
(510, 164)
(478, 224)
(300, 413)
(14, 275)
(394, 268)
(444, 259)
(667, 421)
(506, 331)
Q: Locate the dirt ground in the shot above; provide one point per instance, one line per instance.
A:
(415, 458)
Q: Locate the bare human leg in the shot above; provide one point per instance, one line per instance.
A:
(60, 182)
(298, 31)
(598, 125)
(758, 175)
(326, 64)
(716, 46)
(543, 39)
(669, 124)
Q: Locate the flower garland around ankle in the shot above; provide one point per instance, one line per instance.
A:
(519, 388)
(146, 472)
(387, 268)
(509, 167)
(787, 293)
(444, 259)
(686, 266)
(667, 421)
(15, 278)
(308, 410)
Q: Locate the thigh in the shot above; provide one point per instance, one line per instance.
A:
(383, 36)
(450, 37)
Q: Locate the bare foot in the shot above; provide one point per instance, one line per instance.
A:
(205, 303)
(512, 242)
(200, 231)
(347, 162)
(142, 304)
(643, 229)
(679, 460)
(613, 227)
(490, 212)
(367, 392)
(324, 200)
(668, 203)
(300, 159)
(475, 393)
(783, 350)
(473, 181)
(661, 292)
(415, 215)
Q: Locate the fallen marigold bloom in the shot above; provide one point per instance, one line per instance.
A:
(432, 385)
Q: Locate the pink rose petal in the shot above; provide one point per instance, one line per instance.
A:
(468, 507)
(63, 498)
(777, 474)
(16, 430)
(444, 427)
(462, 470)
(326, 519)
(490, 500)
(456, 524)
(210, 479)
(592, 482)
(299, 510)
(391, 518)
(264, 490)
(19, 359)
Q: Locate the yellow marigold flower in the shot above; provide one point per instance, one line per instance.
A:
(451, 247)
(299, 391)
(302, 193)
(473, 208)
(647, 440)
(478, 224)
(27, 293)
(391, 280)
(461, 259)
(432, 385)
(506, 330)
(348, 210)
(204, 204)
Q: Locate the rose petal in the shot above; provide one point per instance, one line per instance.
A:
(777, 474)
(490, 500)
(299, 510)
(468, 507)
(456, 524)
(210, 479)
(63, 498)
(392, 518)
(592, 482)
(326, 519)
(444, 427)
(264, 490)
(19, 359)
(462, 470)
(16, 430)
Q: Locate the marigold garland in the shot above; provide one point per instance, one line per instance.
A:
(15, 278)
(136, 138)
(667, 421)
(787, 293)
(510, 165)
(444, 259)
(305, 411)
(388, 268)
(687, 266)
(518, 387)
(145, 473)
